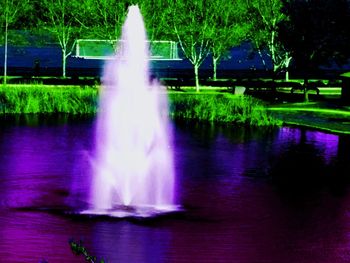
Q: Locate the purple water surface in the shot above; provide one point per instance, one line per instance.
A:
(251, 195)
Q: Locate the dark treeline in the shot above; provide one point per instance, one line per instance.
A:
(316, 33)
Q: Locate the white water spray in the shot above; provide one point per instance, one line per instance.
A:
(134, 172)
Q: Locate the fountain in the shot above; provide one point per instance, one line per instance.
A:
(133, 166)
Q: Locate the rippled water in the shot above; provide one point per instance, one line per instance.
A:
(250, 195)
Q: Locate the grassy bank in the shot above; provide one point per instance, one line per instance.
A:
(213, 107)
(47, 99)
(220, 108)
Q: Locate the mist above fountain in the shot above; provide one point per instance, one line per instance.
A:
(133, 166)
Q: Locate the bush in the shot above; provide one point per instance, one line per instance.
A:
(220, 108)
(213, 107)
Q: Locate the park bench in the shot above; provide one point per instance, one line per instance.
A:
(177, 83)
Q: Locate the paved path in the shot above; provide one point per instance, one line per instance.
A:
(318, 115)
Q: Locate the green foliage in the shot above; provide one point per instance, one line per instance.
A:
(84, 100)
(41, 99)
(220, 108)
(313, 32)
(103, 19)
(79, 249)
(156, 17)
(62, 21)
(231, 23)
(266, 17)
(317, 32)
(12, 10)
(194, 27)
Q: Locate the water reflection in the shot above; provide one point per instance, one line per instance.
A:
(303, 161)
(252, 195)
(325, 143)
(37, 162)
(32, 237)
(127, 242)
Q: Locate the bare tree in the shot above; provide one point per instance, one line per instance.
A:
(267, 17)
(11, 10)
(193, 27)
(62, 22)
(231, 28)
(156, 14)
(103, 19)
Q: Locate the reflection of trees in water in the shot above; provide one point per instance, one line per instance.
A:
(339, 168)
(309, 162)
(244, 134)
(300, 168)
(344, 153)
(295, 160)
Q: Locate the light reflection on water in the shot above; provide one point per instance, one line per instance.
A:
(251, 195)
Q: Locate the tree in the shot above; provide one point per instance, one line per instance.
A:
(231, 28)
(12, 9)
(317, 34)
(267, 15)
(104, 19)
(156, 22)
(62, 22)
(193, 27)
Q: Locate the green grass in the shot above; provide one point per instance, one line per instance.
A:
(316, 115)
(211, 107)
(316, 110)
(47, 99)
(225, 108)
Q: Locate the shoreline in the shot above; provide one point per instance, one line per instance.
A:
(212, 106)
(323, 113)
(322, 116)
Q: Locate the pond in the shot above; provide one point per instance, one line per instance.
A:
(249, 195)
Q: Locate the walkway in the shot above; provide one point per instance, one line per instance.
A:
(318, 115)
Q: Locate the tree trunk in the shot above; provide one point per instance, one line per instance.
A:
(306, 93)
(64, 61)
(287, 75)
(215, 66)
(5, 55)
(273, 51)
(196, 74)
(262, 59)
(286, 64)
